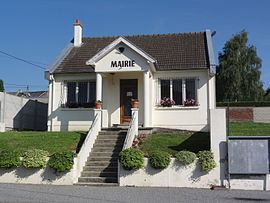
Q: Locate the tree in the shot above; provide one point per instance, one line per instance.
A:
(238, 77)
(2, 89)
(266, 96)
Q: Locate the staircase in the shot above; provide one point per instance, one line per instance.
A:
(102, 165)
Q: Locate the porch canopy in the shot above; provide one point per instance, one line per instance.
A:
(123, 56)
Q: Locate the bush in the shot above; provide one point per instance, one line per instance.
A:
(206, 160)
(9, 159)
(185, 157)
(160, 159)
(62, 162)
(131, 159)
(35, 158)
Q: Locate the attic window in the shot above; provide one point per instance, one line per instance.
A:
(121, 49)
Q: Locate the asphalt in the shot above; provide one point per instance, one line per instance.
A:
(19, 193)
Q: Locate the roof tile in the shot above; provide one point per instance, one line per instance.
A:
(172, 51)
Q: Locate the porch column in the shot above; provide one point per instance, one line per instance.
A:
(98, 86)
(146, 96)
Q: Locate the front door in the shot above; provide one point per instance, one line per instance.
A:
(128, 91)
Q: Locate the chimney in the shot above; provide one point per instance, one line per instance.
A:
(77, 33)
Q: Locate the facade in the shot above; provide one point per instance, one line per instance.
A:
(149, 68)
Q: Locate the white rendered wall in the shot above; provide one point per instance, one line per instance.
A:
(104, 64)
(39, 176)
(188, 118)
(111, 94)
(68, 119)
(175, 175)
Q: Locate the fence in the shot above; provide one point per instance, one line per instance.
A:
(22, 114)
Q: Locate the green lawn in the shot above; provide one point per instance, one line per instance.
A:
(172, 143)
(50, 141)
(249, 129)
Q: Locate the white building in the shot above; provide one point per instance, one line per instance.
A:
(115, 70)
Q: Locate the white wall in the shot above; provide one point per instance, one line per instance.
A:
(175, 175)
(261, 114)
(65, 119)
(189, 118)
(39, 176)
(104, 64)
(111, 95)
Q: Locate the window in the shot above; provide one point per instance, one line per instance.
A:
(179, 90)
(71, 93)
(80, 94)
(165, 88)
(190, 89)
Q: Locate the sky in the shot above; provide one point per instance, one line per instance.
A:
(37, 30)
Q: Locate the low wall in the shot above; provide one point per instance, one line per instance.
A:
(38, 176)
(262, 114)
(240, 114)
(250, 182)
(176, 175)
(255, 114)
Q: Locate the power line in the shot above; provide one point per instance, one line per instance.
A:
(23, 60)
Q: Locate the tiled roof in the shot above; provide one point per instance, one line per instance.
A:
(172, 51)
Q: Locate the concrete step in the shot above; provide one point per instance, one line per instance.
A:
(105, 132)
(100, 158)
(109, 141)
(111, 137)
(102, 163)
(100, 169)
(99, 174)
(105, 144)
(96, 184)
(106, 149)
(104, 154)
(98, 179)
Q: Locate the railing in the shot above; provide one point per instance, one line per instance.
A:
(132, 130)
(88, 142)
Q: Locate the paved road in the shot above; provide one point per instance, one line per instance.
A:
(17, 193)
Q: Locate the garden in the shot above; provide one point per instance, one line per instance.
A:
(35, 150)
(159, 148)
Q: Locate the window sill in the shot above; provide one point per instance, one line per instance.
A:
(177, 108)
(76, 109)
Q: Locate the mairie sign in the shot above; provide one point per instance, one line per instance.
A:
(120, 64)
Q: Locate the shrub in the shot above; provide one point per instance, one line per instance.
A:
(185, 157)
(206, 160)
(35, 158)
(9, 159)
(62, 161)
(160, 159)
(131, 159)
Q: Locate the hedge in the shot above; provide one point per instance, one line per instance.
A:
(244, 104)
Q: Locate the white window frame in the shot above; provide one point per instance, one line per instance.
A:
(65, 92)
(183, 89)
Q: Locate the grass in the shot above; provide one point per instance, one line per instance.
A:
(172, 143)
(249, 129)
(49, 141)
